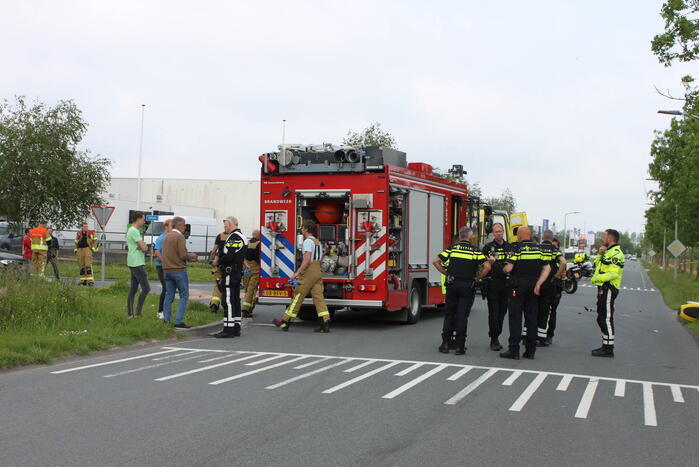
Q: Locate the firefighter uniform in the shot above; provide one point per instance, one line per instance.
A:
(231, 253)
(607, 278)
(310, 281)
(39, 237)
(547, 293)
(252, 277)
(498, 291)
(85, 246)
(215, 301)
(527, 259)
(463, 262)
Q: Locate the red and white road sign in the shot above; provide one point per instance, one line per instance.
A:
(102, 214)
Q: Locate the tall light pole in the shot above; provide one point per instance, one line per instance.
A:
(565, 224)
(678, 113)
(140, 159)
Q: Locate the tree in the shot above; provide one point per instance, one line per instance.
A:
(680, 41)
(373, 135)
(43, 176)
(505, 202)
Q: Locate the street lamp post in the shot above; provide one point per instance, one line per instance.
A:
(140, 160)
(565, 224)
(678, 113)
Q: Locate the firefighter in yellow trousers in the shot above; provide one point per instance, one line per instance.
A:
(85, 246)
(39, 236)
(251, 275)
(310, 281)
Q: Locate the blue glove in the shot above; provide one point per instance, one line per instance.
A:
(294, 282)
(246, 272)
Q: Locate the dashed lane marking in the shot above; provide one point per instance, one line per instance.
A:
(623, 287)
(267, 361)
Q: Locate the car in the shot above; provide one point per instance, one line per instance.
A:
(10, 261)
(10, 238)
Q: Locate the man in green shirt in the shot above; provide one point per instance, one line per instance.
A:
(136, 260)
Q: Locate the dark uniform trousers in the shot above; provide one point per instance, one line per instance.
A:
(523, 302)
(498, 297)
(555, 300)
(606, 294)
(546, 297)
(459, 300)
(230, 296)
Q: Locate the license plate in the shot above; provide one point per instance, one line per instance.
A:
(275, 293)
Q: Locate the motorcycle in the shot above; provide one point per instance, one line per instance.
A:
(575, 272)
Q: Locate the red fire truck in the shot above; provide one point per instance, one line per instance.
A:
(381, 222)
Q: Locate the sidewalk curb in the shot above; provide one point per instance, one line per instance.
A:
(205, 329)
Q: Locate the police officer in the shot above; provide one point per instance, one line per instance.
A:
(529, 267)
(231, 253)
(498, 291)
(462, 270)
(310, 281)
(607, 278)
(556, 299)
(251, 279)
(549, 288)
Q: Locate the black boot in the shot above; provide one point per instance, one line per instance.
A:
(541, 342)
(236, 330)
(460, 349)
(226, 333)
(246, 314)
(280, 323)
(446, 344)
(529, 353)
(511, 354)
(604, 351)
(324, 327)
(495, 344)
(452, 343)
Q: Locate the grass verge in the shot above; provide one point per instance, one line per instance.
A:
(685, 289)
(198, 272)
(41, 320)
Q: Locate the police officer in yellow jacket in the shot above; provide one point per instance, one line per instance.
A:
(607, 278)
(462, 271)
(310, 281)
(85, 246)
(497, 284)
(231, 254)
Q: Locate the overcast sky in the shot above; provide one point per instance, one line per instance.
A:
(554, 99)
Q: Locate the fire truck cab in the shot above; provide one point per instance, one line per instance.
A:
(381, 222)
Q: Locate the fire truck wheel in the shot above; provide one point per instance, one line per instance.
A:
(412, 313)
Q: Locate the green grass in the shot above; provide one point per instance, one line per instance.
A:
(41, 320)
(675, 293)
(198, 272)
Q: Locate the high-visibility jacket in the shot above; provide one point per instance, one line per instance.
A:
(39, 237)
(91, 239)
(610, 267)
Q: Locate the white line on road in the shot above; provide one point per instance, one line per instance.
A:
(471, 387)
(252, 372)
(649, 416)
(204, 368)
(265, 360)
(676, 393)
(215, 358)
(415, 382)
(460, 373)
(111, 362)
(148, 367)
(409, 369)
(306, 375)
(620, 388)
(173, 356)
(586, 400)
(565, 382)
(531, 389)
(360, 366)
(359, 378)
(314, 362)
(643, 279)
(512, 378)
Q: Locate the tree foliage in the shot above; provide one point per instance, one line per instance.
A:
(680, 41)
(43, 175)
(373, 135)
(505, 202)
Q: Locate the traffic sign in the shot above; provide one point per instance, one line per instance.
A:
(102, 214)
(151, 218)
(676, 248)
(651, 253)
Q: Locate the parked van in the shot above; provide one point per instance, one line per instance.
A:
(200, 232)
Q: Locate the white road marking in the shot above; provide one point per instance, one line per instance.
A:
(512, 378)
(620, 388)
(565, 382)
(414, 382)
(586, 400)
(531, 389)
(360, 366)
(148, 367)
(204, 368)
(677, 393)
(306, 365)
(460, 373)
(649, 416)
(306, 375)
(409, 369)
(643, 279)
(471, 387)
(111, 362)
(262, 324)
(173, 356)
(252, 372)
(359, 378)
(265, 360)
(215, 358)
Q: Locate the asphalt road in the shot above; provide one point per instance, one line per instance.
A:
(371, 393)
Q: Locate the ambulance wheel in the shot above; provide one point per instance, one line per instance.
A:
(412, 313)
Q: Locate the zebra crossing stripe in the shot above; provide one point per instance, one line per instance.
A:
(677, 393)
(359, 378)
(565, 382)
(460, 373)
(409, 369)
(252, 372)
(512, 378)
(306, 375)
(111, 362)
(527, 394)
(620, 388)
(415, 382)
(649, 416)
(204, 368)
(586, 400)
(471, 387)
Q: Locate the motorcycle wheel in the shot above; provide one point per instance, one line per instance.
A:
(570, 285)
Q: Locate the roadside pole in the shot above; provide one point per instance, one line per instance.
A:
(102, 215)
(104, 260)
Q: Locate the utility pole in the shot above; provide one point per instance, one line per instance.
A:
(140, 160)
(677, 260)
(664, 234)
